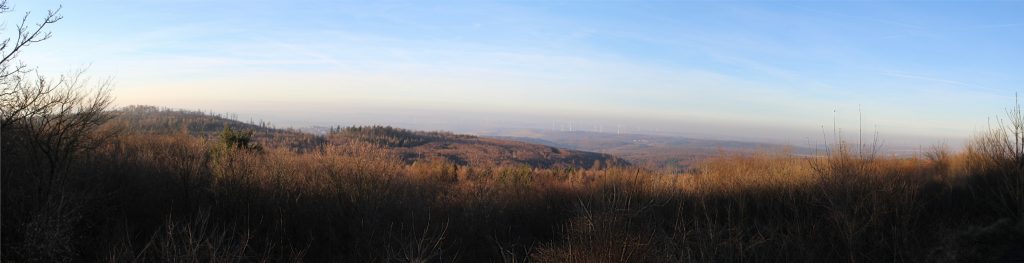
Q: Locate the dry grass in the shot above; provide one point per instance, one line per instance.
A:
(180, 198)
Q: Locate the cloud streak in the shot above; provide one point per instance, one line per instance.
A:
(725, 62)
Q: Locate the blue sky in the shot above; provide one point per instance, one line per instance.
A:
(934, 70)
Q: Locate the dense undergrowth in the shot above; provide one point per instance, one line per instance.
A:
(184, 198)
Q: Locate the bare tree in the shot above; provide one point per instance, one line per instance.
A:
(47, 118)
(1013, 138)
(11, 70)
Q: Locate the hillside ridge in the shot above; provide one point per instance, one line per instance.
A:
(410, 145)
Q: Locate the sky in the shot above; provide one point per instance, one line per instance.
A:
(770, 71)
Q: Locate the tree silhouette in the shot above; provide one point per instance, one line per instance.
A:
(45, 118)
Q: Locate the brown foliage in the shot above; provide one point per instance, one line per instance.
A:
(161, 195)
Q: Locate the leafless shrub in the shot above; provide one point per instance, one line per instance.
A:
(193, 241)
(431, 245)
(45, 124)
(53, 118)
(1014, 133)
(600, 237)
(49, 232)
(998, 156)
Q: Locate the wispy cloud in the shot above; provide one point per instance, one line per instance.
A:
(933, 79)
(741, 62)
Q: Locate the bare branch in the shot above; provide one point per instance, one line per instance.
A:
(27, 36)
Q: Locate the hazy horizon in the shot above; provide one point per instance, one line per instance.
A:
(770, 72)
(313, 116)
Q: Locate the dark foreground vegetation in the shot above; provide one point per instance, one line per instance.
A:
(134, 194)
(80, 183)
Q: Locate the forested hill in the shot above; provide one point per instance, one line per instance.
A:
(151, 119)
(467, 149)
(411, 146)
